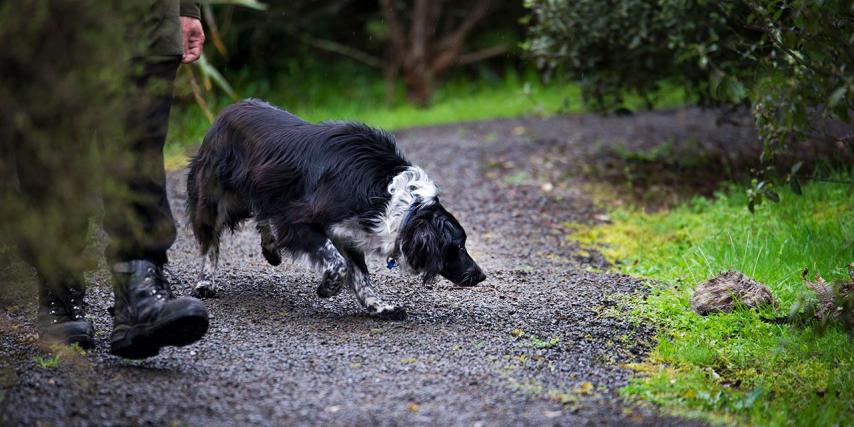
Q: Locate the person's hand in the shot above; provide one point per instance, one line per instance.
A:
(194, 38)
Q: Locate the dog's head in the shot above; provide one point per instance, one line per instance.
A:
(433, 243)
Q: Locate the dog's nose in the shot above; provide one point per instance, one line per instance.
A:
(474, 278)
(480, 277)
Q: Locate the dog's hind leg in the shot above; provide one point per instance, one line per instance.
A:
(208, 236)
(269, 249)
(360, 283)
(206, 286)
(231, 209)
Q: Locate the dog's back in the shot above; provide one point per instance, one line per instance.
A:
(223, 155)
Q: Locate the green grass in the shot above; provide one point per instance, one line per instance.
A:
(346, 94)
(537, 342)
(47, 362)
(736, 367)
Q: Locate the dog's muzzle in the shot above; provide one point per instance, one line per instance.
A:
(472, 278)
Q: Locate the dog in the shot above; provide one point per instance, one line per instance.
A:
(330, 194)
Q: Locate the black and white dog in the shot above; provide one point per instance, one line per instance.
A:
(330, 194)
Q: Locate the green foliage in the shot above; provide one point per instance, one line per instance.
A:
(538, 343)
(266, 42)
(347, 92)
(62, 86)
(792, 60)
(47, 362)
(319, 93)
(624, 46)
(737, 366)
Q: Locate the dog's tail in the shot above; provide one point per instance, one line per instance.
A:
(216, 184)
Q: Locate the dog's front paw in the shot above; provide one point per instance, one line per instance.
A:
(272, 257)
(391, 312)
(204, 289)
(328, 287)
(328, 290)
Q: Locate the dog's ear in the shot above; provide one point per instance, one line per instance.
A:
(421, 245)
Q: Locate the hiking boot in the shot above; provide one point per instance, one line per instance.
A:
(148, 316)
(62, 317)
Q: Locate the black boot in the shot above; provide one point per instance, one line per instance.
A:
(62, 317)
(147, 315)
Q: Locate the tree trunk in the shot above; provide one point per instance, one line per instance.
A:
(419, 85)
(421, 55)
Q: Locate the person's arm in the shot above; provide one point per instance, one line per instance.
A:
(193, 35)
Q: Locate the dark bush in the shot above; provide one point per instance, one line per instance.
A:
(791, 60)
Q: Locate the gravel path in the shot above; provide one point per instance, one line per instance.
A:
(532, 345)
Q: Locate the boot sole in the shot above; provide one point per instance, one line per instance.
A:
(80, 332)
(143, 341)
(82, 340)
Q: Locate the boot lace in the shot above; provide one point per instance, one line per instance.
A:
(66, 305)
(159, 284)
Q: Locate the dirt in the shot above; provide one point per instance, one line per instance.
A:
(543, 340)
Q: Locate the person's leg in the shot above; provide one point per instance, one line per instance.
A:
(51, 237)
(53, 84)
(137, 217)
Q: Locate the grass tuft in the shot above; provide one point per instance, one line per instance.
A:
(47, 362)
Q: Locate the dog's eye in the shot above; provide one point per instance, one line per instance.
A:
(461, 248)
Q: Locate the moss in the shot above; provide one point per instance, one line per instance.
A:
(736, 367)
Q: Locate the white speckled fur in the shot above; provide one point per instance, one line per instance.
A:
(406, 188)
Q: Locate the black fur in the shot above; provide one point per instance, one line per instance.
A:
(258, 161)
(266, 163)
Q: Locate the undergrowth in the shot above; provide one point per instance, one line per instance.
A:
(737, 367)
(318, 94)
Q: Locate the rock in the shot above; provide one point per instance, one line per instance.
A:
(724, 292)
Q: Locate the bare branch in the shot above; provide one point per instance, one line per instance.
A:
(458, 36)
(213, 29)
(197, 94)
(392, 69)
(483, 54)
(398, 37)
(434, 14)
(418, 35)
(341, 49)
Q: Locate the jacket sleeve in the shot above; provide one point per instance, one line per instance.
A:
(191, 9)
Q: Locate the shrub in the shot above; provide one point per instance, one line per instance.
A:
(791, 60)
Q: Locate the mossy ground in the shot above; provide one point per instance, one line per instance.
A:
(737, 367)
